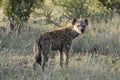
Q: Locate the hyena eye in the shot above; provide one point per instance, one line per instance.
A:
(83, 26)
(78, 25)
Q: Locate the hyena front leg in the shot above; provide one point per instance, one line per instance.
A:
(45, 59)
(66, 50)
(61, 58)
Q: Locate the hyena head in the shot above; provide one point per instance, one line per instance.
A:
(79, 26)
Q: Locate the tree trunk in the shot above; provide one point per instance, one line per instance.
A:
(19, 28)
(12, 25)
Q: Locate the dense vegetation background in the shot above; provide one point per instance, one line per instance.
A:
(95, 55)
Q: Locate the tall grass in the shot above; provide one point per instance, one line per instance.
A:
(16, 54)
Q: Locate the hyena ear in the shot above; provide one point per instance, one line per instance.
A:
(74, 21)
(86, 21)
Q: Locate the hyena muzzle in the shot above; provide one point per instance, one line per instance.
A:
(60, 39)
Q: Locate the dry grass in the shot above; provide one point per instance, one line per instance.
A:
(19, 67)
(16, 55)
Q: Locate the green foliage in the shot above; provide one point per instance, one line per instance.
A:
(72, 7)
(0, 2)
(17, 12)
(86, 8)
(97, 10)
(19, 9)
(47, 10)
(111, 4)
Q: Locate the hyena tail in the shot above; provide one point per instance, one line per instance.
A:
(37, 54)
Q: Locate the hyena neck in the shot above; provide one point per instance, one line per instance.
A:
(72, 33)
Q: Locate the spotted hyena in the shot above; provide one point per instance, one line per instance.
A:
(60, 39)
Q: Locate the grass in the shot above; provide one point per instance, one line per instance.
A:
(19, 67)
(16, 54)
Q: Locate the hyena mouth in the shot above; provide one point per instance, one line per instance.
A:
(82, 30)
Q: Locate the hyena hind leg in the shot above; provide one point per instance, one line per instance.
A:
(36, 61)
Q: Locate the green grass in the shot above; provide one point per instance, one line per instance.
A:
(16, 54)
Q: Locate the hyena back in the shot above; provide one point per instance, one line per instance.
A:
(60, 39)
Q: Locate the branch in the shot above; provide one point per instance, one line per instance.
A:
(52, 21)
